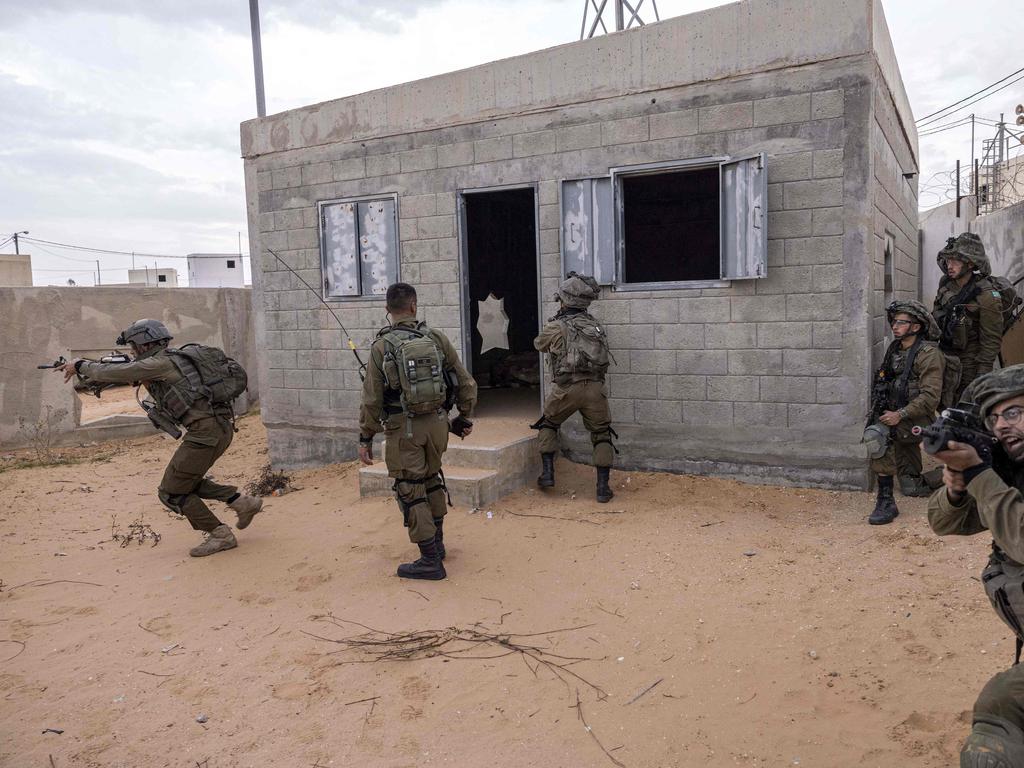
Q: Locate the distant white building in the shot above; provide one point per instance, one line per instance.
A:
(15, 270)
(215, 270)
(154, 277)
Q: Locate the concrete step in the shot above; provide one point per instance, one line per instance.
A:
(468, 486)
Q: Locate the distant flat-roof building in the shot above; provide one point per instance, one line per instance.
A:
(154, 278)
(215, 270)
(15, 270)
(742, 181)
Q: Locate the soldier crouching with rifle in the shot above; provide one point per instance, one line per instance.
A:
(984, 490)
(177, 383)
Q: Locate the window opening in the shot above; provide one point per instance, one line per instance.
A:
(161, 278)
(890, 274)
(231, 263)
(670, 226)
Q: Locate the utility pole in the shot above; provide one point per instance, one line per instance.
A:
(619, 7)
(257, 57)
(23, 232)
(99, 277)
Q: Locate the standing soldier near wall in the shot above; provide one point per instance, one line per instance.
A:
(412, 380)
(192, 387)
(968, 308)
(578, 354)
(905, 395)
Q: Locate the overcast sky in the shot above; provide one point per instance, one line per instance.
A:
(119, 118)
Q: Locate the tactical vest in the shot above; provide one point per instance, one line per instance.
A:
(414, 369)
(585, 351)
(206, 373)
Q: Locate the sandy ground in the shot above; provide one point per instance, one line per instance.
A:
(779, 627)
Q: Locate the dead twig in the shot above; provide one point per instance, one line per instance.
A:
(646, 690)
(138, 531)
(750, 699)
(20, 651)
(555, 517)
(610, 613)
(52, 764)
(273, 631)
(360, 701)
(579, 713)
(154, 674)
(420, 594)
(45, 583)
(708, 525)
(458, 644)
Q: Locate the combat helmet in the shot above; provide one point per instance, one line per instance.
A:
(966, 247)
(144, 331)
(990, 389)
(577, 291)
(917, 311)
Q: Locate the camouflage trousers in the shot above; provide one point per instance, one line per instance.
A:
(971, 369)
(414, 461)
(903, 456)
(589, 398)
(185, 485)
(1003, 696)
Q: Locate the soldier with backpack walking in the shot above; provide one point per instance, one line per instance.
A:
(193, 387)
(413, 379)
(578, 354)
(971, 307)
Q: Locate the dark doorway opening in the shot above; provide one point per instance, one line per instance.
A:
(501, 289)
(671, 223)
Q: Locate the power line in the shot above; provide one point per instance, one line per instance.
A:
(975, 101)
(965, 98)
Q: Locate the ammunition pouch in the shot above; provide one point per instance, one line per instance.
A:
(159, 418)
(1003, 580)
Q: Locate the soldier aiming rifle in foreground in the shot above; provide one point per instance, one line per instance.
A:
(192, 387)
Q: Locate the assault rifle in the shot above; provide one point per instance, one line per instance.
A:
(94, 387)
(961, 425)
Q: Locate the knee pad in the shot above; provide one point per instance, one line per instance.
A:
(173, 502)
(994, 743)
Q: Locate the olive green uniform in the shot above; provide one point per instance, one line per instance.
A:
(903, 456)
(995, 503)
(583, 392)
(974, 337)
(209, 432)
(414, 460)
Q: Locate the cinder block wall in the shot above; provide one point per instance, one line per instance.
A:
(40, 324)
(763, 378)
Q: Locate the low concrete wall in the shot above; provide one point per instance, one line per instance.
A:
(40, 324)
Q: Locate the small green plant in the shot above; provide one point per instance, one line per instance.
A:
(41, 434)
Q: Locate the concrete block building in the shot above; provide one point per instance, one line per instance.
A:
(741, 180)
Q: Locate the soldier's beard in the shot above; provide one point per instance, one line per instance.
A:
(1012, 441)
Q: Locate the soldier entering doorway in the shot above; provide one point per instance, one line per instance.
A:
(578, 354)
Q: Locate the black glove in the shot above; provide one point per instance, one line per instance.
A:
(459, 425)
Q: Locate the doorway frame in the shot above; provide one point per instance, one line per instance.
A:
(464, 297)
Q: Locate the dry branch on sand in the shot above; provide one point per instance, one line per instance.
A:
(138, 531)
(267, 482)
(458, 643)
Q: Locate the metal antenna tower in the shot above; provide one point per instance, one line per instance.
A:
(620, 7)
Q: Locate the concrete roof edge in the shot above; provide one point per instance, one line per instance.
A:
(736, 39)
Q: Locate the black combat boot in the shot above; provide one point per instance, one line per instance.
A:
(914, 485)
(547, 473)
(604, 491)
(427, 567)
(885, 510)
(439, 536)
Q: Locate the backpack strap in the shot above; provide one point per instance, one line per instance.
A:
(966, 294)
(903, 383)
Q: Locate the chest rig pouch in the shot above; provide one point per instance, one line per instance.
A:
(1004, 584)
